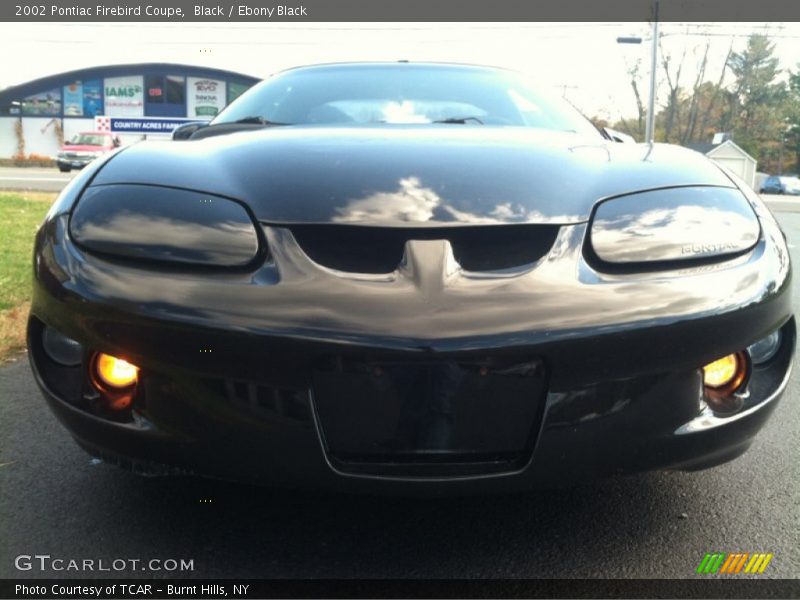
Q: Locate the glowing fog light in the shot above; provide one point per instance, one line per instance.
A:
(115, 372)
(723, 380)
(722, 372)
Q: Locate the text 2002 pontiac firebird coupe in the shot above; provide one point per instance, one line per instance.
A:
(409, 278)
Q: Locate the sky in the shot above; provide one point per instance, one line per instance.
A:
(581, 61)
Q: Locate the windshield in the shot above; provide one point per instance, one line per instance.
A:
(404, 93)
(88, 139)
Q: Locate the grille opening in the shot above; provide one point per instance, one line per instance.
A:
(364, 249)
(265, 400)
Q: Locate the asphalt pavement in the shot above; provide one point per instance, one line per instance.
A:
(34, 178)
(55, 500)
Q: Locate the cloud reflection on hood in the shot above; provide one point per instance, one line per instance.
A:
(676, 224)
(414, 203)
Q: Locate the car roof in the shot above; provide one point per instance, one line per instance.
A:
(398, 64)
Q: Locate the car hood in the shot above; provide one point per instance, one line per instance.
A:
(411, 176)
(81, 148)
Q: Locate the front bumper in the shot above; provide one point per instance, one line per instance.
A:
(612, 428)
(228, 359)
(74, 162)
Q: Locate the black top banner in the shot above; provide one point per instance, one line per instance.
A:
(405, 11)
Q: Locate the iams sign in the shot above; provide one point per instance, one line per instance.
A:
(130, 91)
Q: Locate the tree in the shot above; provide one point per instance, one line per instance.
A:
(709, 118)
(792, 118)
(755, 98)
(672, 111)
(690, 114)
(634, 127)
(748, 98)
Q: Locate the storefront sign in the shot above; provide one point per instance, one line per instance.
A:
(206, 97)
(141, 125)
(124, 96)
(44, 104)
(92, 98)
(73, 99)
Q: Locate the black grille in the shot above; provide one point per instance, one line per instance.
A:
(362, 249)
(266, 400)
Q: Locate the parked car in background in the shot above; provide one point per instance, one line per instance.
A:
(760, 179)
(782, 184)
(83, 148)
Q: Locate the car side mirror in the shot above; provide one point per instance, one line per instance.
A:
(185, 131)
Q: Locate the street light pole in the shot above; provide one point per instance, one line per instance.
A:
(650, 123)
(651, 109)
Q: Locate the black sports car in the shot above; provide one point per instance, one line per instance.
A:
(409, 278)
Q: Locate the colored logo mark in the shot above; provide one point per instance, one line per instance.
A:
(732, 563)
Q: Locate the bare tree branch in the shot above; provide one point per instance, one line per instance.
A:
(691, 123)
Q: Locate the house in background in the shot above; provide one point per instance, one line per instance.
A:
(726, 153)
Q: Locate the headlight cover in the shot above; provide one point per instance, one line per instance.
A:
(673, 225)
(164, 224)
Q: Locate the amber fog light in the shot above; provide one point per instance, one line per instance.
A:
(721, 372)
(115, 378)
(722, 379)
(115, 372)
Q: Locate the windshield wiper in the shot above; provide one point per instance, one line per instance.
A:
(459, 120)
(252, 120)
(243, 124)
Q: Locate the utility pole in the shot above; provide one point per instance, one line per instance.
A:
(650, 122)
(651, 109)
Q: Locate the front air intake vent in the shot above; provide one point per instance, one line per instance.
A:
(363, 249)
(264, 400)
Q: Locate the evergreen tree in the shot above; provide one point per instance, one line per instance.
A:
(754, 101)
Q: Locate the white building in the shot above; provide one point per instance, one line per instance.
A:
(65, 104)
(726, 153)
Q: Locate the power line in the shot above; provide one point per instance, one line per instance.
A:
(439, 41)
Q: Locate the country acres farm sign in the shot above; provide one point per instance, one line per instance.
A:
(140, 125)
